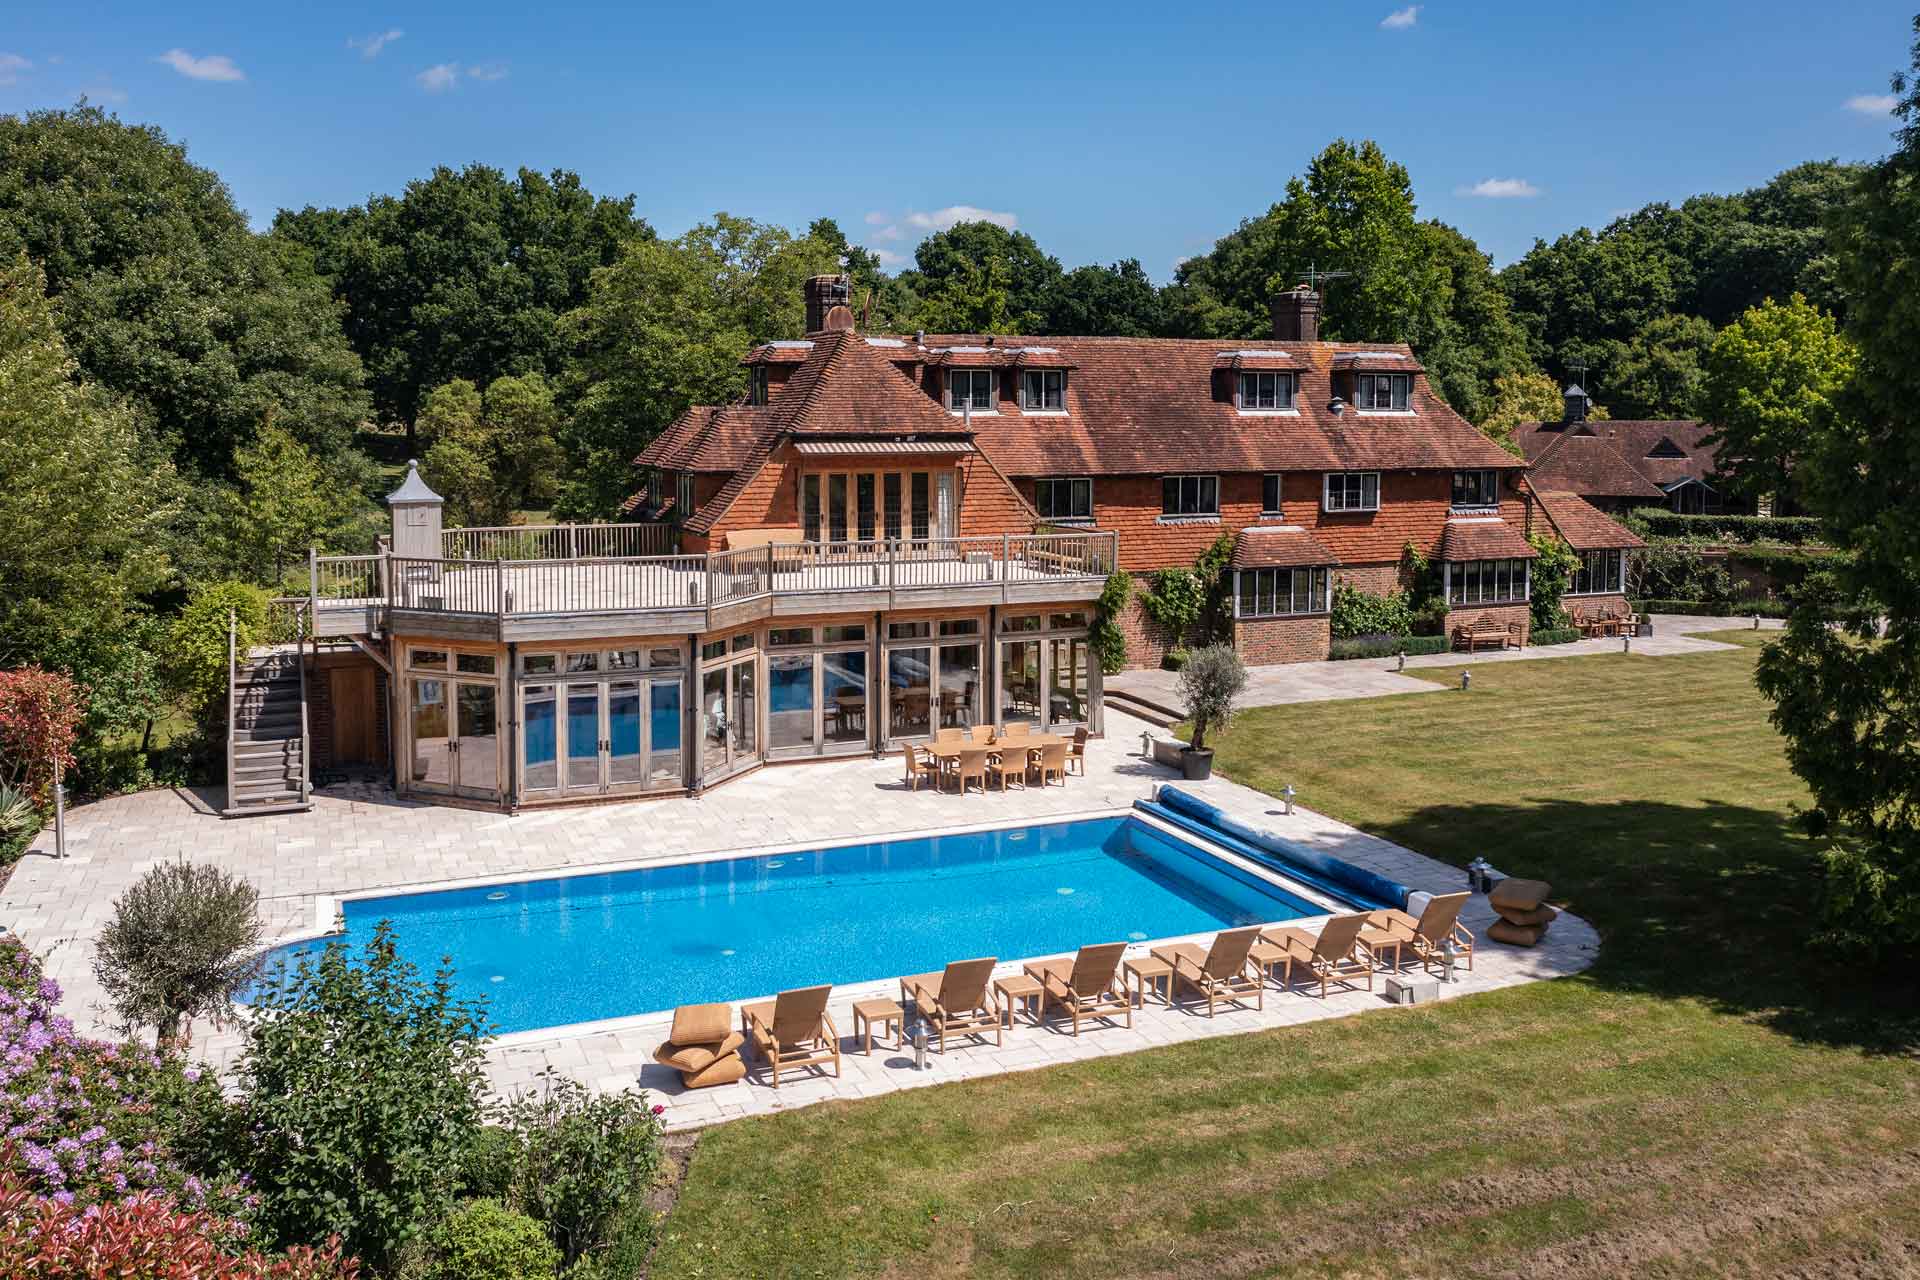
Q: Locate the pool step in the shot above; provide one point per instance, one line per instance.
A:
(1157, 714)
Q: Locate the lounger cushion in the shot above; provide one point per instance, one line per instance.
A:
(1542, 914)
(1523, 894)
(698, 1057)
(1518, 935)
(723, 1071)
(700, 1023)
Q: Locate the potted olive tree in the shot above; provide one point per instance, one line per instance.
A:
(1209, 683)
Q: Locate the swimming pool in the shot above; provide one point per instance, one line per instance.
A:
(550, 952)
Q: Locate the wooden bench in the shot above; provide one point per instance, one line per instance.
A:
(1486, 631)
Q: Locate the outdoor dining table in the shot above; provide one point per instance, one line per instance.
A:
(944, 752)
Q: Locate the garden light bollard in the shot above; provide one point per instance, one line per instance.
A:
(920, 1046)
(1146, 743)
(1466, 681)
(1287, 793)
(1403, 661)
(1626, 644)
(1451, 959)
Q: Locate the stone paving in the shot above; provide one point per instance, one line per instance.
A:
(360, 839)
(1374, 677)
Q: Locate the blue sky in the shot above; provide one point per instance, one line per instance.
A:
(1126, 129)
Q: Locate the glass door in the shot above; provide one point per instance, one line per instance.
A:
(432, 726)
(663, 735)
(580, 764)
(455, 727)
(626, 748)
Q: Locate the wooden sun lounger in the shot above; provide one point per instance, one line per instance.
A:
(1085, 985)
(1426, 936)
(1221, 972)
(1336, 954)
(793, 1030)
(957, 1000)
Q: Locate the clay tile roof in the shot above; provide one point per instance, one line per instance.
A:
(850, 387)
(1579, 461)
(1484, 538)
(1283, 546)
(1145, 406)
(711, 438)
(1583, 526)
(1384, 360)
(792, 351)
(1660, 451)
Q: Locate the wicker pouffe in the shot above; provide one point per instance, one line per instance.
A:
(1524, 913)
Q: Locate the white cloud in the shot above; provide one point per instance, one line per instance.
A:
(1500, 189)
(215, 66)
(105, 93)
(1873, 104)
(488, 71)
(439, 79)
(954, 214)
(891, 260)
(1401, 19)
(11, 65)
(370, 46)
(877, 218)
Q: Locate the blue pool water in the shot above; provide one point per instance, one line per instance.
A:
(548, 952)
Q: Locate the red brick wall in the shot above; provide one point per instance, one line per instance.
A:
(1147, 640)
(1263, 641)
(1374, 579)
(1500, 614)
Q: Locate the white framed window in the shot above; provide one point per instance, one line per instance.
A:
(1262, 392)
(1480, 488)
(1063, 497)
(970, 389)
(1190, 495)
(1276, 593)
(1043, 390)
(1352, 491)
(1383, 392)
(1270, 494)
(683, 494)
(1472, 582)
(1600, 573)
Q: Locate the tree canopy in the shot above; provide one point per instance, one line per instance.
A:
(1771, 380)
(466, 274)
(165, 296)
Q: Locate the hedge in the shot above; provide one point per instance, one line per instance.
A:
(1796, 530)
(1378, 646)
(1714, 608)
(1554, 635)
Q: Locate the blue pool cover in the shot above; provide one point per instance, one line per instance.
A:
(575, 949)
(1334, 876)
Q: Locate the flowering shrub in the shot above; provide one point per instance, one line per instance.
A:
(85, 1122)
(580, 1160)
(40, 714)
(146, 1236)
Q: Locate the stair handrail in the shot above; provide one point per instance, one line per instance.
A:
(233, 708)
(306, 739)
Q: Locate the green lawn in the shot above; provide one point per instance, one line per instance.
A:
(1709, 1099)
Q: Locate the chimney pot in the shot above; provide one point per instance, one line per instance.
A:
(1296, 315)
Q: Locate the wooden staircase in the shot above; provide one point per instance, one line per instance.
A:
(267, 762)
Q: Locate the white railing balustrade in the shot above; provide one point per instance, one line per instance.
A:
(529, 586)
(558, 541)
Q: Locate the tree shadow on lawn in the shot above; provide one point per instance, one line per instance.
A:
(1711, 901)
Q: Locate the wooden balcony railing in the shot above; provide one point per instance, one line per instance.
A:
(504, 587)
(558, 541)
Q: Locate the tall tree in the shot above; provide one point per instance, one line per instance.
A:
(664, 328)
(958, 261)
(85, 501)
(464, 275)
(1525, 397)
(1846, 693)
(1411, 281)
(1114, 301)
(165, 295)
(1772, 377)
(493, 455)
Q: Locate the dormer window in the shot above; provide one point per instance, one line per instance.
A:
(1476, 489)
(1383, 392)
(1043, 390)
(1267, 391)
(970, 389)
(757, 384)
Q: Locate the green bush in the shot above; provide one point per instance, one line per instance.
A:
(1715, 608)
(1554, 635)
(485, 1240)
(182, 943)
(1359, 613)
(580, 1161)
(1174, 598)
(486, 1171)
(1384, 646)
(1176, 658)
(1671, 572)
(360, 1093)
(1549, 577)
(1795, 530)
(196, 666)
(1430, 617)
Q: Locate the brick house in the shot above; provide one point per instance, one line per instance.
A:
(1618, 465)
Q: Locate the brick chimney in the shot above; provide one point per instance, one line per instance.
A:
(823, 294)
(1296, 315)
